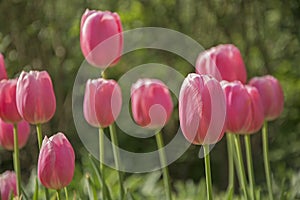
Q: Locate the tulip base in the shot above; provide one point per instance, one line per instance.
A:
(163, 162)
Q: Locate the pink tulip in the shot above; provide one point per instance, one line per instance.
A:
(151, 103)
(95, 28)
(56, 162)
(8, 185)
(257, 110)
(224, 62)
(3, 74)
(102, 102)
(7, 135)
(35, 97)
(8, 108)
(271, 94)
(202, 109)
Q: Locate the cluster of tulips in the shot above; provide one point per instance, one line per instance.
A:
(212, 101)
(30, 99)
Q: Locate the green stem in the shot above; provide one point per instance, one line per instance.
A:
(163, 162)
(101, 157)
(58, 194)
(116, 153)
(250, 165)
(17, 159)
(230, 162)
(66, 193)
(40, 136)
(266, 159)
(208, 172)
(241, 171)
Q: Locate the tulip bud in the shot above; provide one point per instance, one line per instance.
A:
(151, 103)
(8, 185)
(3, 74)
(202, 109)
(101, 37)
(8, 108)
(271, 94)
(7, 135)
(102, 102)
(56, 162)
(224, 62)
(35, 97)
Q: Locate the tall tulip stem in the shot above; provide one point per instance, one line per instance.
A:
(266, 158)
(208, 172)
(116, 153)
(17, 159)
(163, 162)
(241, 171)
(66, 193)
(40, 136)
(250, 165)
(230, 162)
(101, 159)
(58, 195)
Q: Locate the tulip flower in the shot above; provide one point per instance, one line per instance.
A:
(8, 185)
(3, 74)
(56, 162)
(7, 135)
(8, 108)
(224, 62)
(102, 102)
(101, 37)
(35, 97)
(271, 94)
(151, 103)
(202, 109)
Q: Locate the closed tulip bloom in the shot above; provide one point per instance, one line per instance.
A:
(271, 94)
(56, 162)
(224, 62)
(202, 109)
(3, 74)
(102, 102)
(151, 103)
(95, 28)
(7, 135)
(8, 185)
(8, 108)
(257, 117)
(36, 100)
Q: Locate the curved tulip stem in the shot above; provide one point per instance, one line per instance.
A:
(208, 172)
(40, 136)
(58, 194)
(17, 159)
(230, 162)
(116, 153)
(250, 165)
(101, 159)
(163, 162)
(241, 171)
(266, 158)
(66, 193)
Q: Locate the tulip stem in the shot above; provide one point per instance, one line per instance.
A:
(17, 159)
(116, 153)
(241, 171)
(101, 159)
(230, 162)
(58, 194)
(66, 193)
(250, 165)
(39, 136)
(208, 172)
(266, 158)
(163, 162)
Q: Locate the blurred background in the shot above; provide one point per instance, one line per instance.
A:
(44, 35)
